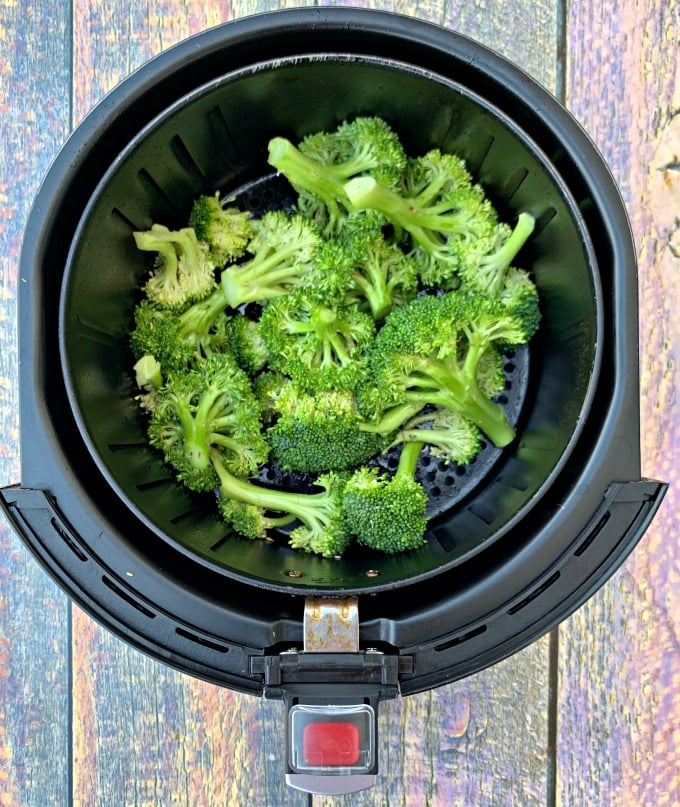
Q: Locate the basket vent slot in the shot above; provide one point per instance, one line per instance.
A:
(544, 220)
(68, 540)
(186, 160)
(117, 213)
(464, 637)
(592, 535)
(201, 640)
(129, 599)
(146, 179)
(535, 593)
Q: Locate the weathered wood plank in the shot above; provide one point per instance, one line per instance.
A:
(450, 746)
(495, 24)
(145, 734)
(34, 694)
(620, 655)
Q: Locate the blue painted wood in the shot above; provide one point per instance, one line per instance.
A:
(35, 82)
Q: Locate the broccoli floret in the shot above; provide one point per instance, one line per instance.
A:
(491, 373)
(430, 175)
(321, 531)
(428, 352)
(321, 164)
(449, 435)
(177, 339)
(183, 272)
(442, 229)
(246, 344)
(284, 249)
(318, 346)
(208, 408)
(519, 295)
(226, 230)
(321, 432)
(388, 514)
(383, 275)
(250, 521)
(489, 273)
(268, 386)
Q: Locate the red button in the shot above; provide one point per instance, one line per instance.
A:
(331, 744)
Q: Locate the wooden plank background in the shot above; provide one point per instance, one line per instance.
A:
(86, 720)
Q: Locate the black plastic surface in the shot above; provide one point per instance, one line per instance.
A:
(210, 618)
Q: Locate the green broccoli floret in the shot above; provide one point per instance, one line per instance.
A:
(268, 386)
(210, 408)
(177, 338)
(428, 352)
(321, 432)
(321, 531)
(226, 230)
(442, 229)
(183, 272)
(388, 513)
(432, 174)
(318, 346)
(284, 253)
(383, 275)
(323, 162)
(246, 344)
(449, 435)
(489, 273)
(519, 295)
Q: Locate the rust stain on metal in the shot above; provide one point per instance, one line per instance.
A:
(331, 625)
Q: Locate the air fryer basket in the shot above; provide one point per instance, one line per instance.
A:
(518, 540)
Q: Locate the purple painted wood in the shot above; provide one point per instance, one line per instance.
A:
(34, 615)
(619, 706)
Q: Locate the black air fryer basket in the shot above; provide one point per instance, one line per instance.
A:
(517, 540)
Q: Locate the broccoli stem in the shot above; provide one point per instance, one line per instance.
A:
(458, 391)
(310, 508)
(374, 289)
(303, 172)
(197, 320)
(392, 419)
(260, 278)
(496, 265)
(365, 192)
(408, 460)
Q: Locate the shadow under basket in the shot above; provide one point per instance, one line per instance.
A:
(517, 540)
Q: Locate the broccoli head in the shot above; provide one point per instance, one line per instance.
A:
(283, 250)
(321, 432)
(383, 276)
(208, 408)
(321, 164)
(183, 272)
(226, 230)
(387, 513)
(442, 228)
(429, 351)
(318, 346)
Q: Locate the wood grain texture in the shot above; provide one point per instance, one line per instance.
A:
(460, 745)
(493, 23)
(34, 694)
(620, 655)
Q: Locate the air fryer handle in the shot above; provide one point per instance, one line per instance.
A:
(332, 713)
